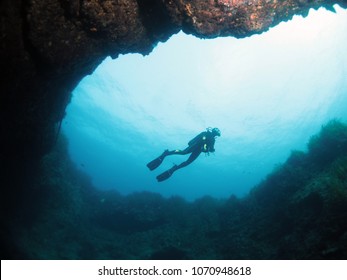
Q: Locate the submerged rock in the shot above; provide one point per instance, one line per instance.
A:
(298, 212)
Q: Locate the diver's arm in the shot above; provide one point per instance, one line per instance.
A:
(211, 146)
(212, 149)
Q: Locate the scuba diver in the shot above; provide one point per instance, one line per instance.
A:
(204, 142)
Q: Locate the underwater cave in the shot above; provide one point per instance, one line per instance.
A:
(52, 210)
(266, 94)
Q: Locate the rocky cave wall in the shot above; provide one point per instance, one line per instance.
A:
(48, 46)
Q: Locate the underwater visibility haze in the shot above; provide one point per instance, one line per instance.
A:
(268, 94)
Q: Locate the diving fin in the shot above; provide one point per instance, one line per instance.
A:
(167, 174)
(156, 162)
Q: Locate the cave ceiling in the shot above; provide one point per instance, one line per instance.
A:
(48, 46)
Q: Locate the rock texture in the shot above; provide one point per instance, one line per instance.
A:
(48, 46)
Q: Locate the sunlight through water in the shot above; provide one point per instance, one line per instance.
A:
(268, 94)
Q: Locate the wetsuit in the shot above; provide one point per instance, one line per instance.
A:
(204, 142)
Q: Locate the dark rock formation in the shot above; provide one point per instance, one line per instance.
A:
(48, 46)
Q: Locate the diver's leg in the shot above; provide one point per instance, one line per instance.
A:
(156, 162)
(191, 158)
(179, 152)
(167, 174)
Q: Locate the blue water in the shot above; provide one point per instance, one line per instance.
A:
(268, 94)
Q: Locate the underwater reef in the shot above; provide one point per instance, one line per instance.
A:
(299, 211)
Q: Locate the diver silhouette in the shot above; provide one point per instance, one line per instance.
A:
(204, 142)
